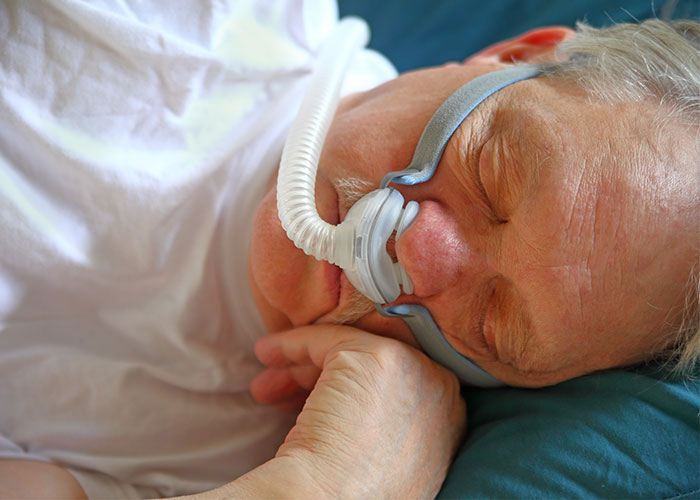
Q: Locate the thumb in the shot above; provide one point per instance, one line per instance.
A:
(285, 388)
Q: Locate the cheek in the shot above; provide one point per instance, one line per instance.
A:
(276, 266)
(268, 243)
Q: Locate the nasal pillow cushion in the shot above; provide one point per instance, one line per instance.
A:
(375, 217)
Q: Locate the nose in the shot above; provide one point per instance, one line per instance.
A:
(434, 252)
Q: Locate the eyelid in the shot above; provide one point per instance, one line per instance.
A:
(485, 162)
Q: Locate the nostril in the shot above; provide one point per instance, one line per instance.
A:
(391, 247)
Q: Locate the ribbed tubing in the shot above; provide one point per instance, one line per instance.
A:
(296, 181)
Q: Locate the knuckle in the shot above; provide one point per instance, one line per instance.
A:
(389, 355)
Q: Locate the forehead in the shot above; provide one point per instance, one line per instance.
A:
(577, 159)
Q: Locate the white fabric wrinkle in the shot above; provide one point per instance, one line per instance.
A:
(11, 294)
(32, 213)
(141, 139)
(127, 36)
(252, 36)
(317, 20)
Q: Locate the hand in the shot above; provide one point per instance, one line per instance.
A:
(381, 419)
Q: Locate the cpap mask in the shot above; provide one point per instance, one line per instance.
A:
(358, 244)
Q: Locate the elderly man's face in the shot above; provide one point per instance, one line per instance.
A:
(545, 243)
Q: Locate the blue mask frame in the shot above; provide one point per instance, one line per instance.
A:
(426, 157)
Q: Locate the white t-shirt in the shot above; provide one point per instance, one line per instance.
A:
(136, 139)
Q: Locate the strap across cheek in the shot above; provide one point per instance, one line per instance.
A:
(433, 342)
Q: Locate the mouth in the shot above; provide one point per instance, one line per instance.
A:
(350, 305)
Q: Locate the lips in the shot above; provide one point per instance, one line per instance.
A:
(348, 305)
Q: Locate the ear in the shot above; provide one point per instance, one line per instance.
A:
(538, 45)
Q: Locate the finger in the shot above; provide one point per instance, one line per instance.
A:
(305, 375)
(277, 388)
(277, 384)
(291, 399)
(293, 404)
(273, 385)
(310, 344)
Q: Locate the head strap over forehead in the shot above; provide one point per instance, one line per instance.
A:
(448, 117)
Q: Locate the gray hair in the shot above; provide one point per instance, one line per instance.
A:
(637, 62)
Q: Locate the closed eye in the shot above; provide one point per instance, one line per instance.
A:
(486, 159)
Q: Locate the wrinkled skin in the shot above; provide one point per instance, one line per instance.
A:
(555, 238)
(380, 409)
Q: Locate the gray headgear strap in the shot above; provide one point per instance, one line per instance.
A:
(433, 342)
(422, 167)
(448, 117)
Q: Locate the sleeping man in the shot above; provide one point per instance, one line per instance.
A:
(142, 257)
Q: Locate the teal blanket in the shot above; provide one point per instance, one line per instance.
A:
(620, 434)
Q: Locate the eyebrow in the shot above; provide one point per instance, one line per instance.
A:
(517, 160)
(515, 329)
